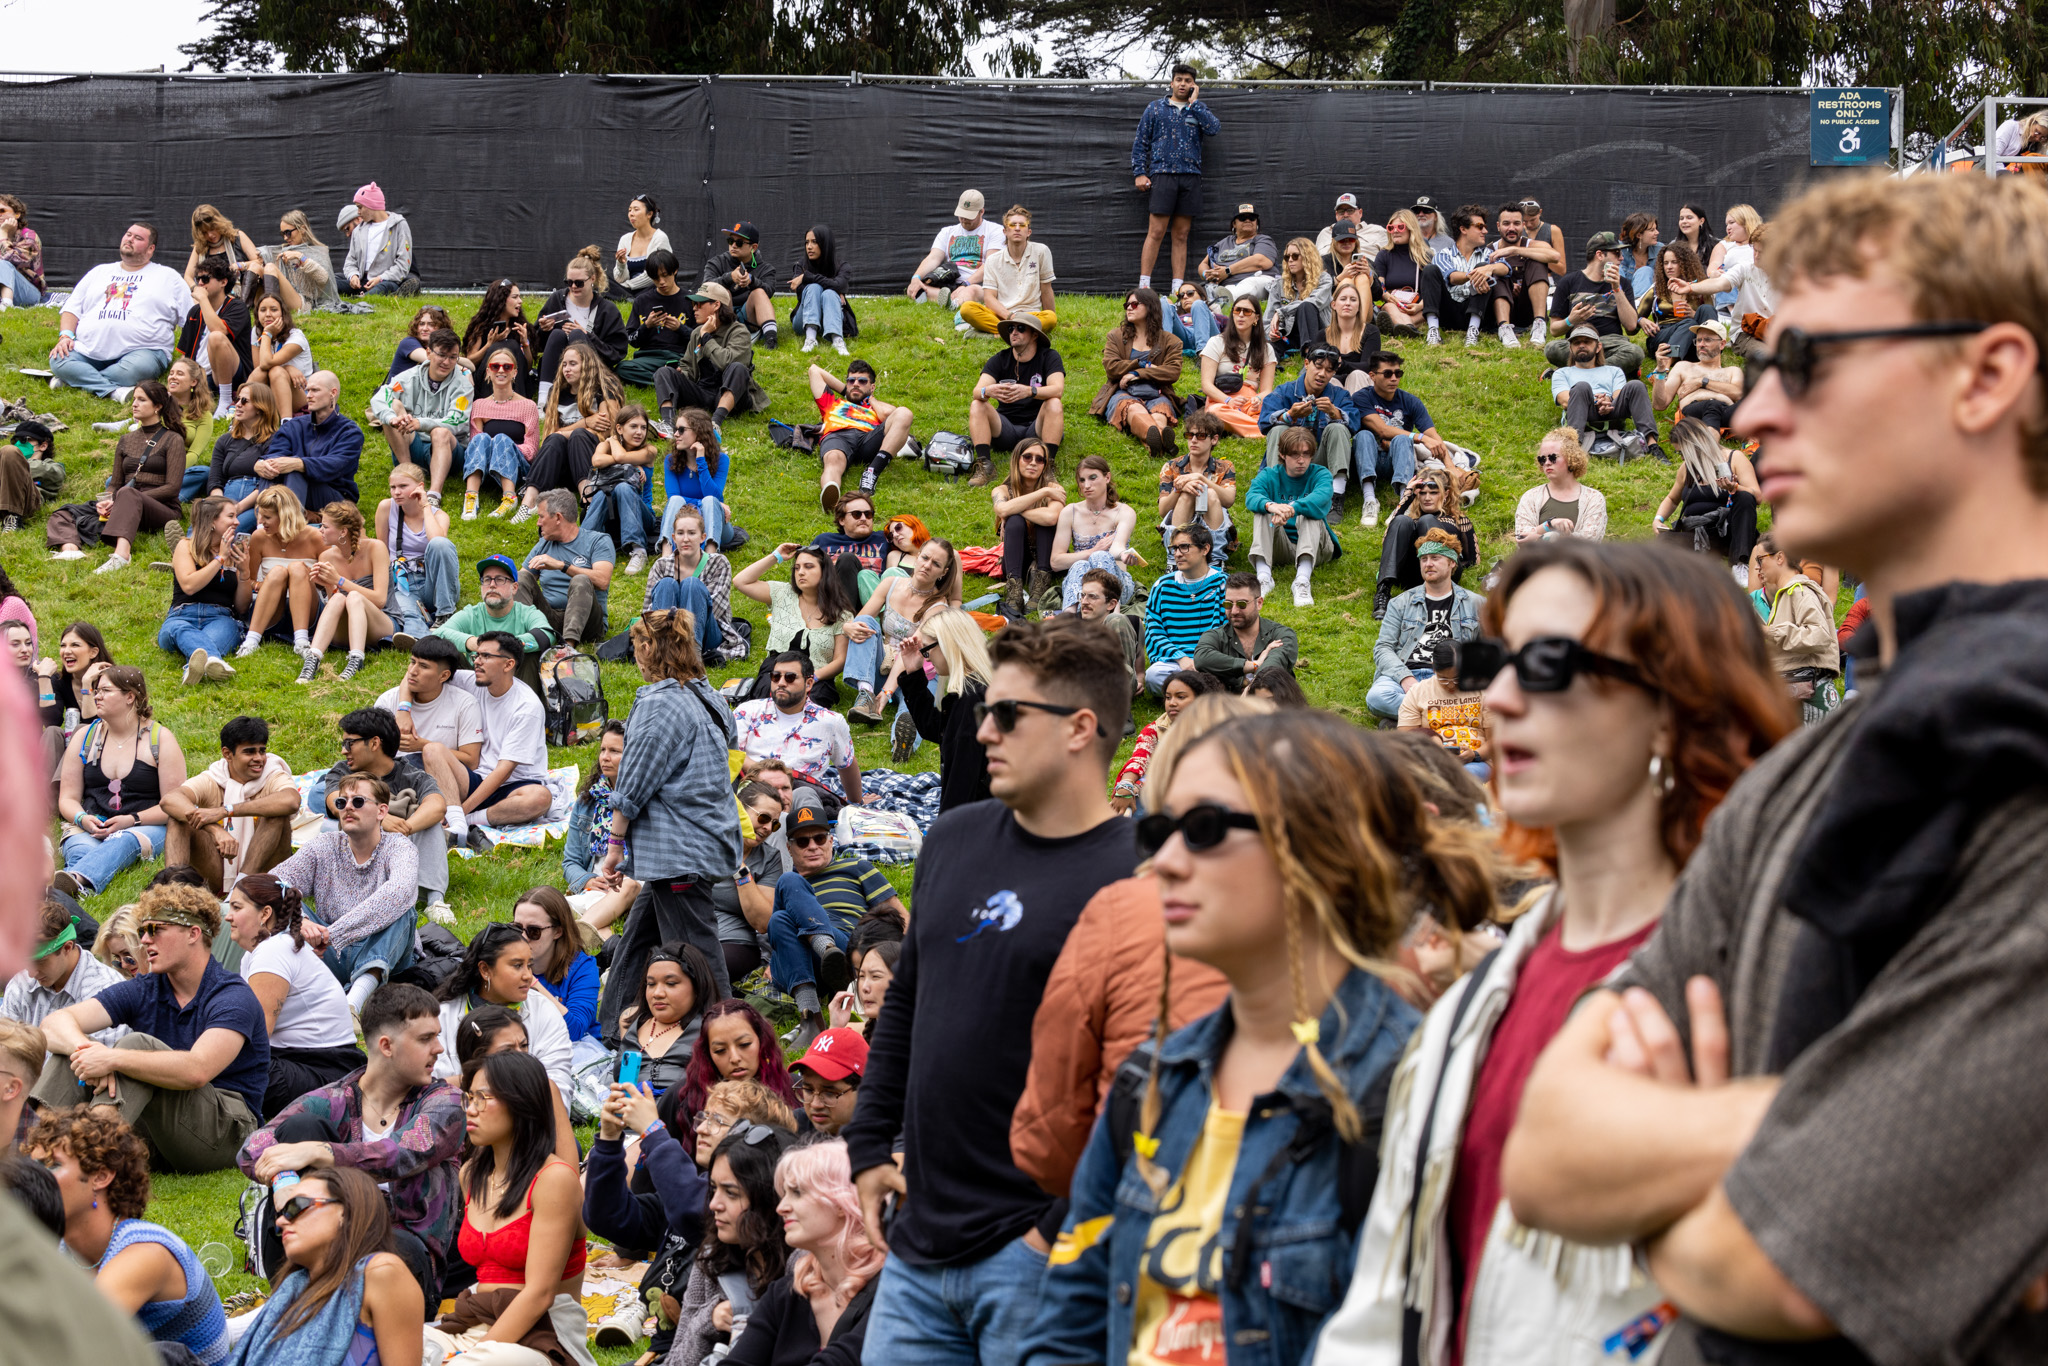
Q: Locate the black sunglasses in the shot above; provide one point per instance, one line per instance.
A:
(750, 1133)
(1798, 351)
(1202, 826)
(1548, 458)
(1391, 374)
(1005, 713)
(532, 932)
(927, 648)
(1545, 664)
(291, 1210)
(355, 803)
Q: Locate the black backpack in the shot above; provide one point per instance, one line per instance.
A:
(436, 954)
(572, 690)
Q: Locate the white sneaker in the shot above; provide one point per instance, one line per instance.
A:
(69, 552)
(1435, 336)
(250, 641)
(1369, 515)
(195, 667)
(810, 343)
(123, 394)
(963, 328)
(1302, 597)
(839, 345)
(1536, 331)
(1265, 580)
(1472, 333)
(112, 428)
(1741, 573)
(219, 670)
(114, 565)
(636, 563)
(1508, 337)
(55, 383)
(439, 912)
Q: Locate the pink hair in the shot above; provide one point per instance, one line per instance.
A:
(822, 1171)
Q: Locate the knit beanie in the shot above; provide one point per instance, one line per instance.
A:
(371, 198)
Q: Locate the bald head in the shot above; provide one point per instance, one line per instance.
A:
(323, 391)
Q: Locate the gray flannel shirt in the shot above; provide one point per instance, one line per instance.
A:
(674, 785)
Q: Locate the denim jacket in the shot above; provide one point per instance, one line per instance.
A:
(1299, 1254)
(1408, 617)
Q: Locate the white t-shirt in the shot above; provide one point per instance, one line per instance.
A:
(302, 362)
(1212, 349)
(1016, 283)
(1753, 292)
(581, 313)
(315, 1012)
(120, 310)
(452, 719)
(968, 250)
(514, 727)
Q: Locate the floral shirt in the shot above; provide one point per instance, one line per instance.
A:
(416, 1163)
(26, 256)
(1221, 473)
(815, 742)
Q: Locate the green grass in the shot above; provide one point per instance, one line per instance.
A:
(1491, 400)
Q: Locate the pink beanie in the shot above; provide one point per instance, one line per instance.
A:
(371, 198)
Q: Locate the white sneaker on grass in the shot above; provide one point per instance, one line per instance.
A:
(438, 911)
(1302, 596)
(1472, 333)
(114, 565)
(1508, 338)
(636, 563)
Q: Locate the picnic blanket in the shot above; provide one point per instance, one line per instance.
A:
(561, 788)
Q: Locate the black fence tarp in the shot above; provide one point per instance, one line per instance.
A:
(509, 175)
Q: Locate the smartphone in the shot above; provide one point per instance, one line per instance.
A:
(560, 317)
(629, 1069)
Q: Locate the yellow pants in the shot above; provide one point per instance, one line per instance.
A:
(983, 320)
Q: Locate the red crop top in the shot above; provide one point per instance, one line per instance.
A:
(500, 1255)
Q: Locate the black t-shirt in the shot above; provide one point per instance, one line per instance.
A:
(234, 457)
(235, 314)
(1004, 368)
(950, 1054)
(406, 775)
(1579, 288)
(1436, 628)
(650, 301)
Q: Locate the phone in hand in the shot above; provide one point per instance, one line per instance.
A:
(629, 1069)
(551, 319)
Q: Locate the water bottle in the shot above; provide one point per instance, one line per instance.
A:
(70, 722)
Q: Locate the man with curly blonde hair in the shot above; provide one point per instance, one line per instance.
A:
(190, 1077)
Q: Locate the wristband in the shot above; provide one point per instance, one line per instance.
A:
(651, 1127)
(403, 706)
(615, 841)
(79, 819)
(67, 332)
(777, 556)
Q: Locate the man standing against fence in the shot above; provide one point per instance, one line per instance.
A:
(1166, 160)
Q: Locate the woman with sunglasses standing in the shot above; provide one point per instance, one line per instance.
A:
(345, 1297)
(1713, 499)
(498, 970)
(522, 1226)
(1561, 505)
(1291, 851)
(1628, 689)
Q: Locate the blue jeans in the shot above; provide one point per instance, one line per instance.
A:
(1156, 674)
(1194, 334)
(636, 519)
(97, 862)
(389, 948)
(1070, 591)
(716, 515)
(413, 602)
(193, 484)
(1383, 698)
(690, 594)
(972, 1315)
(238, 489)
(421, 448)
(492, 453)
(819, 307)
(26, 295)
(103, 377)
(864, 657)
(796, 917)
(199, 626)
(1395, 460)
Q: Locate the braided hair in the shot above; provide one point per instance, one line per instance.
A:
(286, 907)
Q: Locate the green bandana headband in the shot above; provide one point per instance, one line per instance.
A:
(69, 936)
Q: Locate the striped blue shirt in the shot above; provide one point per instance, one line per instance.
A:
(1178, 612)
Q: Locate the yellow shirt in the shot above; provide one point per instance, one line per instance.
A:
(1179, 1320)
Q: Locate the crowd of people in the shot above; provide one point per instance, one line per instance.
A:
(1462, 1034)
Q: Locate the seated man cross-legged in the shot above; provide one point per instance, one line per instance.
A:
(817, 904)
(1290, 503)
(373, 744)
(360, 882)
(1594, 393)
(190, 1077)
(236, 817)
(509, 784)
(1017, 394)
(120, 323)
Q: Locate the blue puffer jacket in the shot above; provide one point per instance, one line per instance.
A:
(1286, 1273)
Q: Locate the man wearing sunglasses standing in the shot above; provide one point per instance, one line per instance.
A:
(1802, 1108)
(359, 885)
(998, 888)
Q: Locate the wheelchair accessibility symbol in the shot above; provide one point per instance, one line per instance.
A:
(1852, 140)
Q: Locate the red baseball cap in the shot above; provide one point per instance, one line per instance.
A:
(837, 1054)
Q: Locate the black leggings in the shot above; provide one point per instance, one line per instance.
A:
(1025, 543)
(676, 388)
(563, 462)
(295, 1071)
(741, 960)
(406, 1243)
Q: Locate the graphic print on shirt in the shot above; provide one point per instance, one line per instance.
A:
(1001, 912)
(1460, 721)
(120, 294)
(1178, 1318)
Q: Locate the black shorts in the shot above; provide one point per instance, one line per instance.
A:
(472, 780)
(1176, 196)
(858, 447)
(1007, 433)
(1715, 412)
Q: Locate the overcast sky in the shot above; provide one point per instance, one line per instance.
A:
(98, 35)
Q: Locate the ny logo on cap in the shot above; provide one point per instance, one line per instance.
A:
(823, 1043)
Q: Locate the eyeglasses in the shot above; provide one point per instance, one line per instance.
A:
(1179, 546)
(502, 582)
(291, 1210)
(240, 399)
(711, 1119)
(824, 1093)
(806, 841)
(1202, 826)
(478, 1100)
(480, 657)
(1797, 351)
(501, 369)
(355, 803)
(927, 648)
(533, 932)
(1291, 256)
(1545, 664)
(1005, 713)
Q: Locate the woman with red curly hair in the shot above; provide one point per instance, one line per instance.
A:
(102, 1172)
(1629, 688)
